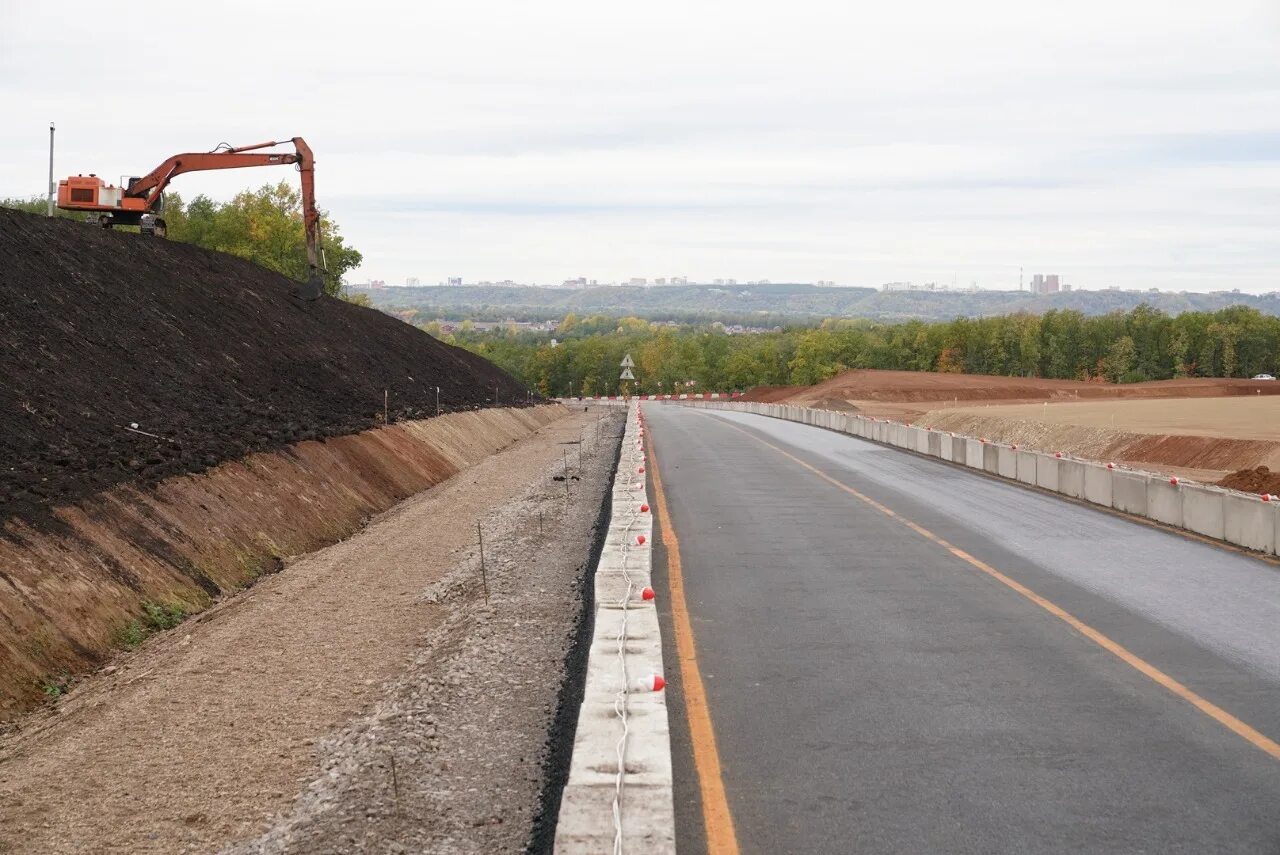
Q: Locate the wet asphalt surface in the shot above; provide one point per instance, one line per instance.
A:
(872, 692)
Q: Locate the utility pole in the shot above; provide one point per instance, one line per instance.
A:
(52, 186)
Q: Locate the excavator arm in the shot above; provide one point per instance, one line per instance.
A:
(150, 188)
(128, 205)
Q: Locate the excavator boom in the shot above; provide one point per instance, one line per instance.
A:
(128, 205)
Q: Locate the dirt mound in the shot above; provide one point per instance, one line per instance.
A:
(129, 360)
(1257, 480)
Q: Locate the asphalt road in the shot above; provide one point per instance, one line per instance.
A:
(873, 691)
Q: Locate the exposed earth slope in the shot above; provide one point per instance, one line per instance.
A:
(208, 355)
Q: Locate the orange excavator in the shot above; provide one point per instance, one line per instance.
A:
(139, 203)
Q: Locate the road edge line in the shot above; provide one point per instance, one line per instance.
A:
(717, 819)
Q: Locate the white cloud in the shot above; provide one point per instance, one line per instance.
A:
(1131, 142)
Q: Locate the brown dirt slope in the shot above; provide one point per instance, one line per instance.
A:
(205, 733)
(209, 353)
(67, 593)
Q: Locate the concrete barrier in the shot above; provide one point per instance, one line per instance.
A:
(922, 440)
(972, 453)
(1071, 478)
(1164, 501)
(1202, 510)
(1027, 466)
(1097, 484)
(1129, 492)
(1047, 472)
(586, 818)
(991, 458)
(1249, 522)
(935, 444)
(1007, 462)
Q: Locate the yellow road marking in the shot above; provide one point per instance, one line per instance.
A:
(721, 839)
(1217, 713)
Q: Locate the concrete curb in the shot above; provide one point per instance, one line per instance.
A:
(1240, 519)
(646, 812)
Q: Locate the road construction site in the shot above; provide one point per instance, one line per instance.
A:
(281, 575)
(368, 697)
(276, 575)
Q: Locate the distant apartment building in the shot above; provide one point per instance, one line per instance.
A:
(637, 280)
(455, 281)
(1047, 284)
(412, 282)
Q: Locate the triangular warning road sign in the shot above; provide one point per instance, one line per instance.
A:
(627, 362)
(626, 375)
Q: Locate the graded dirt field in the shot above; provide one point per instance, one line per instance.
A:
(1239, 418)
(911, 393)
(1201, 428)
(1201, 438)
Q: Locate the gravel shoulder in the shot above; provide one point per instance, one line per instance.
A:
(271, 722)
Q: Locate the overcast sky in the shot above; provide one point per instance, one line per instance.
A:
(1124, 142)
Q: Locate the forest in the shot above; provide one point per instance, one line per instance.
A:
(582, 355)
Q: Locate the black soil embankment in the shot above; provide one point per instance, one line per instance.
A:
(209, 356)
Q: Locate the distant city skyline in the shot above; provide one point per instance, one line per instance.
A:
(1040, 284)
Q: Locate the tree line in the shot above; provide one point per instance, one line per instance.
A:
(582, 356)
(263, 225)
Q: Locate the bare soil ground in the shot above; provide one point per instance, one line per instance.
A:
(1255, 417)
(910, 394)
(270, 722)
(126, 360)
(1202, 438)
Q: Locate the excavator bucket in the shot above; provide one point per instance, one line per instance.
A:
(312, 289)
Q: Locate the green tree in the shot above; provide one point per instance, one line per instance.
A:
(265, 227)
(1119, 359)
